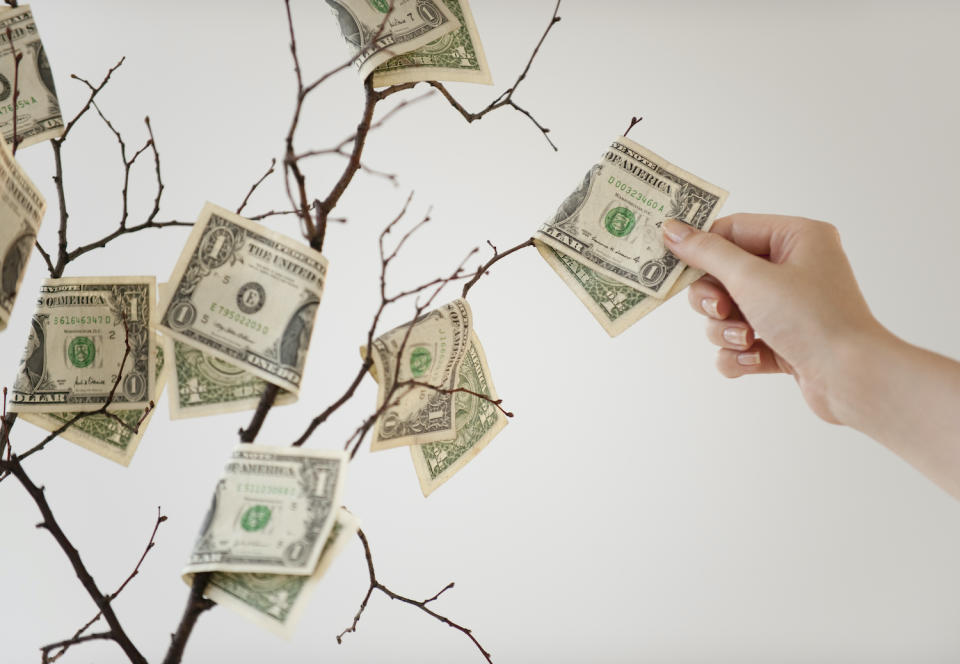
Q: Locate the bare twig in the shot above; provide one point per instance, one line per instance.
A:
(17, 57)
(634, 121)
(196, 604)
(273, 162)
(94, 91)
(49, 523)
(484, 269)
(46, 658)
(506, 98)
(78, 636)
(375, 584)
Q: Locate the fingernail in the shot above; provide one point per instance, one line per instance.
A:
(736, 335)
(676, 231)
(749, 359)
(709, 306)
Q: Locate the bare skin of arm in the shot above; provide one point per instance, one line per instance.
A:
(780, 297)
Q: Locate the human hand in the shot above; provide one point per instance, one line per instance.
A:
(780, 296)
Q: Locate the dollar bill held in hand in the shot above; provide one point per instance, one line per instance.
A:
(456, 56)
(37, 109)
(615, 306)
(272, 511)
(431, 354)
(246, 295)
(611, 223)
(104, 434)
(377, 30)
(77, 342)
(21, 210)
(276, 601)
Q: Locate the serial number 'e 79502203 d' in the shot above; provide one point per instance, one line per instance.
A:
(238, 317)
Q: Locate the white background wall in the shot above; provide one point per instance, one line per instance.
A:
(639, 507)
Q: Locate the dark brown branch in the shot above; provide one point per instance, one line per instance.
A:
(353, 443)
(267, 400)
(375, 584)
(65, 255)
(454, 390)
(6, 423)
(273, 162)
(196, 604)
(78, 636)
(122, 228)
(484, 269)
(66, 643)
(50, 524)
(94, 91)
(325, 206)
(633, 123)
(46, 257)
(506, 98)
(17, 57)
(341, 146)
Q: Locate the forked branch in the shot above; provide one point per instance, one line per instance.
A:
(375, 584)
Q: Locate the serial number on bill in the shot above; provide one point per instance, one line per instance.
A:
(239, 318)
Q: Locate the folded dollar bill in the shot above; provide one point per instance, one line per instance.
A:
(428, 351)
(76, 346)
(203, 384)
(245, 295)
(456, 56)
(378, 30)
(276, 601)
(615, 306)
(207, 385)
(272, 511)
(475, 420)
(104, 434)
(611, 223)
(38, 110)
(21, 211)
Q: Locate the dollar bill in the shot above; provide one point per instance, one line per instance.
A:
(615, 306)
(21, 211)
(37, 108)
(456, 56)
(77, 343)
(431, 354)
(246, 295)
(377, 30)
(272, 511)
(611, 223)
(478, 422)
(207, 385)
(276, 601)
(103, 434)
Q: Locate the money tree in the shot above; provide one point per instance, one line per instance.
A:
(100, 351)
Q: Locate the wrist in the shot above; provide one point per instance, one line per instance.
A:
(857, 380)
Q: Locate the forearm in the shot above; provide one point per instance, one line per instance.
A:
(906, 398)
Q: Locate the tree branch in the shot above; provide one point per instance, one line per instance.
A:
(375, 584)
(484, 269)
(634, 121)
(506, 98)
(50, 524)
(78, 636)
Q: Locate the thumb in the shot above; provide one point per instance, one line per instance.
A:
(710, 252)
